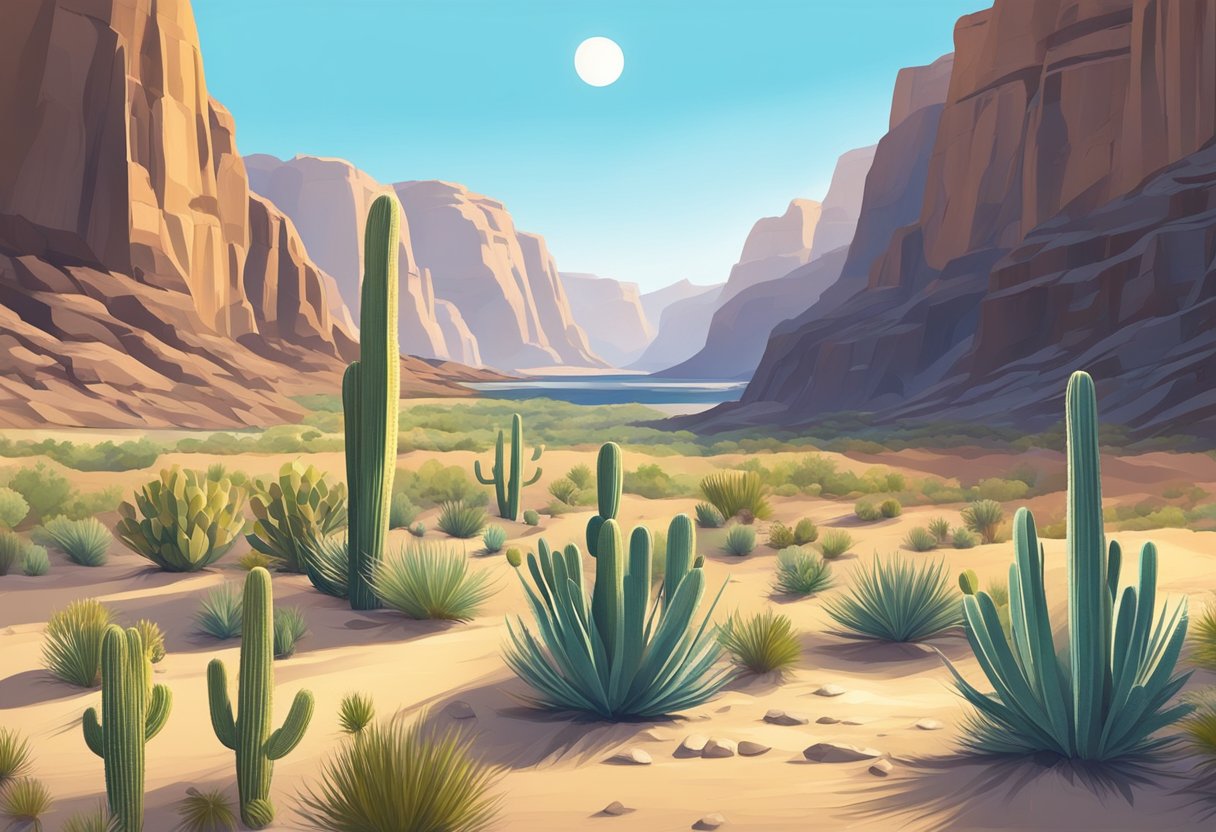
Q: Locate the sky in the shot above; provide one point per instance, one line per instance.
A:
(725, 111)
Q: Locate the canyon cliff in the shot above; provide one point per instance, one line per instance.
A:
(610, 312)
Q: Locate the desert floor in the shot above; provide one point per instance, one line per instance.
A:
(555, 774)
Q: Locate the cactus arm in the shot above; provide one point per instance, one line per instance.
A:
(609, 480)
(221, 706)
(481, 478)
(286, 738)
(534, 478)
(681, 543)
(93, 734)
(159, 706)
(537, 451)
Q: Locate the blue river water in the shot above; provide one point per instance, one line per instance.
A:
(609, 389)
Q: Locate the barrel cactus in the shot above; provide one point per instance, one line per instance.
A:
(296, 513)
(509, 483)
(182, 521)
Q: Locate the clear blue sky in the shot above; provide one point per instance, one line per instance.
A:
(725, 110)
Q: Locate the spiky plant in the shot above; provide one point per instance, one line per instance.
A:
(295, 511)
(219, 616)
(1199, 729)
(920, 540)
(1203, 638)
(732, 492)
(153, 639)
(761, 643)
(740, 540)
(12, 551)
(327, 564)
(182, 521)
(939, 527)
(206, 811)
(289, 627)
(461, 520)
(86, 542)
(72, 650)
(984, 517)
(97, 820)
(835, 543)
(15, 756)
(897, 599)
(355, 712)
(801, 572)
(708, 517)
(805, 532)
(24, 802)
(253, 559)
(780, 536)
(35, 563)
(431, 581)
(964, 539)
(493, 538)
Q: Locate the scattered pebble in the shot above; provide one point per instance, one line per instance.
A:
(930, 725)
(827, 720)
(830, 690)
(632, 757)
(724, 709)
(692, 746)
(712, 821)
(832, 752)
(461, 710)
(881, 768)
(747, 748)
(615, 809)
(854, 721)
(776, 717)
(718, 748)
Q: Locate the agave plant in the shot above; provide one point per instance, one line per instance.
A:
(897, 599)
(327, 564)
(185, 523)
(295, 512)
(1107, 693)
(733, 492)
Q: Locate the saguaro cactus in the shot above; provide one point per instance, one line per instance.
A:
(609, 481)
(509, 484)
(249, 734)
(371, 389)
(132, 712)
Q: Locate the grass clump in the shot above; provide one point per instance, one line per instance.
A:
(209, 811)
(289, 628)
(801, 572)
(153, 639)
(461, 520)
(97, 820)
(920, 540)
(355, 712)
(733, 492)
(86, 541)
(12, 551)
(219, 616)
(898, 599)
(72, 650)
(805, 531)
(430, 582)
(327, 563)
(709, 517)
(13, 508)
(984, 517)
(15, 755)
(493, 538)
(835, 543)
(1203, 638)
(394, 777)
(780, 536)
(866, 511)
(740, 540)
(24, 802)
(418, 529)
(36, 562)
(964, 539)
(253, 559)
(939, 527)
(762, 643)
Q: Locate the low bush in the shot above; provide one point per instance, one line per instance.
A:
(206, 811)
(898, 599)
(583, 477)
(104, 456)
(86, 542)
(45, 490)
(434, 484)
(72, 649)
(708, 517)
(890, 508)
(13, 508)
(740, 540)
(564, 491)
(15, 756)
(920, 540)
(493, 538)
(761, 643)
(866, 511)
(1002, 491)
(653, 483)
(355, 712)
(802, 572)
(289, 628)
(780, 536)
(430, 582)
(401, 512)
(12, 551)
(461, 521)
(219, 615)
(964, 539)
(35, 563)
(805, 532)
(984, 517)
(939, 527)
(835, 543)
(733, 492)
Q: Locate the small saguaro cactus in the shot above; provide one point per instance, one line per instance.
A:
(249, 734)
(133, 711)
(509, 484)
(609, 481)
(371, 390)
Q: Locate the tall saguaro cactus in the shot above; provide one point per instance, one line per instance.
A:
(249, 734)
(609, 482)
(132, 712)
(371, 390)
(509, 483)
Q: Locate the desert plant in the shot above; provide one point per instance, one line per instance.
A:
(1112, 693)
(509, 484)
(805, 532)
(835, 543)
(401, 512)
(294, 512)
(85, 541)
(617, 653)
(1203, 638)
(963, 539)
(460, 520)
(939, 527)
(564, 491)
(418, 530)
(920, 540)
(731, 492)
(327, 562)
(45, 490)
(890, 508)
(493, 538)
(12, 551)
(761, 643)
(1199, 729)
(289, 628)
(72, 650)
(609, 483)
(152, 638)
(219, 615)
(13, 507)
(531, 518)
(254, 558)
(248, 733)
(97, 820)
(402, 778)
(780, 536)
(15, 758)
(371, 392)
(430, 581)
(740, 540)
(708, 517)
(984, 518)
(35, 562)
(866, 511)
(355, 712)
(133, 711)
(582, 476)
(514, 557)
(188, 523)
(24, 802)
(897, 599)
(801, 572)
(209, 811)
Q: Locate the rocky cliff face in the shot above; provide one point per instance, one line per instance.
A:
(656, 301)
(775, 246)
(610, 312)
(842, 204)
(1068, 184)
(681, 330)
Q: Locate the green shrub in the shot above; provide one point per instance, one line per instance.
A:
(86, 542)
(15, 756)
(939, 527)
(219, 616)
(45, 490)
(209, 811)
(327, 564)
(1002, 491)
(761, 643)
(493, 538)
(72, 650)
(391, 777)
(429, 581)
(217, 471)
(418, 529)
(780, 536)
(289, 628)
(964, 539)
(890, 508)
(434, 484)
(35, 563)
(801, 572)
(401, 512)
(564, 491)
(733, 492)
(12, 551)
(24, 802)
(355, 712)
(897, 599)
(866, 511)
(187, 521)
(805, 532)
(531, 518)
(920, 540)
(461, 521)
(294, 512)
(152, 638)
(653, 483)
(583, 477)
(835, 543)
(984, 517)
(740, 540)
(1203, 638)
(13, 508)
(708, 517)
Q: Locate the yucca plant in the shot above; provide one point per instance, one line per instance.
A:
(219, 616)
(708, 517)
(86, 542)
(493, 538)
(355, 712)
(761, 643)
(984, 518)
(801, 571)
(1108, 692)
(396, 777)
(740, 540)
(327, 564)
(24, 802)
(289, 628)
(187, 522)
(15, 757)
(461, 520)
(294, 512)
(732, 492)
(72, 650)
(939, 527)
(430, 581)
(897, 599)
(12, 551)
(206, 811)
(1199, 729)
(97, 820)
(1203, 638)
(835, 543)
(36, 562)
(920, 540)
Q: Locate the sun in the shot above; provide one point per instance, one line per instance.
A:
(599, 61)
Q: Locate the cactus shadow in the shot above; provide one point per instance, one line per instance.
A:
(850, 654)
(34, 687)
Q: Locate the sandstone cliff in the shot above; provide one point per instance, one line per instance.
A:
(842, 203)
(656, 301)
(775, 246)
(610, 312)
(681, 330)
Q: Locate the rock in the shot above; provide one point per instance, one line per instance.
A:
(711, 821)
(854, 721)
(615, 809)
(827, 720)
(718, 748)
(929, 725)
(678, 328)
(747, 748)
(776, 717)
(610, 312)
(832, 752)
(692, 746)
(632, 757)
(460, 710)
(881, 768)
(829, 690)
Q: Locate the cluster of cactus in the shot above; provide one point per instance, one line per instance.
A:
(1111, 693)
(618, 653)
(609, 483)
(248, 732)
(509, 483)
(182, 521)
(371, 389)
(295, 513)
(133, 711)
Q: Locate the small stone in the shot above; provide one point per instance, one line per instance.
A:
(853, 721)
(832, 752)
(717, 748)
(632, 757)
(725, 709)
(461, 710)
(930, 725)
(881, 768)
(712, 821)
(775, 717)
(692, 746)
(827, 720)
(747, 748)
(830, 690)
(615, 809)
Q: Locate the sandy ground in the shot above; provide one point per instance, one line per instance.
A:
(554, 771)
